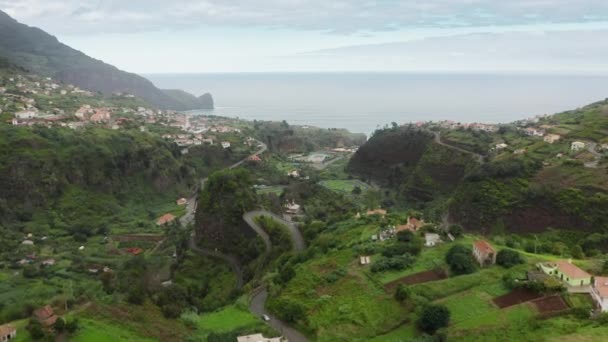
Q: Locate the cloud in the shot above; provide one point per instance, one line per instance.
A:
(339, 16)
(540, 52)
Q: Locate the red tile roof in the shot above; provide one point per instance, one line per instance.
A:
(601, 284)
(6, 329)
(483, 246)
(45, 315)
(571, 270)
(255, 158)
(165, 219)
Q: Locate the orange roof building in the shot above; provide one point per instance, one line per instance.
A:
(167, 218)
(484, 253)
(380, 212)
(255, 158)
(567, 272)
(413, 224)
(45, 316)
(600, 293)
(7, 332)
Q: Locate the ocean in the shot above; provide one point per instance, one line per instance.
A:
(361, 102)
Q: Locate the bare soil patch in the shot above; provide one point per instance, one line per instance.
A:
(138, 237)
(417, 278)
(550, 304)
(515, 297)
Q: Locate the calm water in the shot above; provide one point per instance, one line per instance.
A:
(362, 101)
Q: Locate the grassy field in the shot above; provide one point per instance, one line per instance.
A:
(343, 299)
(277, 190)
(98, 331)
(344, 186)
(227, 319)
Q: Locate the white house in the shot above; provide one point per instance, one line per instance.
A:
(577, 146)
(28, 242)
(551, 138)
(501, 146)
(364, 260)
(292, 208)
(293, 174)
(599, 293)
(26, 114)
(431, 239)
(225, 144)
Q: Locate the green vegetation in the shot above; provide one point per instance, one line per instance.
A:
(346, 187)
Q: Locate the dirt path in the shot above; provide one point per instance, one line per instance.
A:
(478, 156)
(598, 156)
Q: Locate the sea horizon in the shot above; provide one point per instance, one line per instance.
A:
(364, 101)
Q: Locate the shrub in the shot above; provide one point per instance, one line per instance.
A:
(460, 260)
(456, 230)
(433, 318)
(72, 326)
(402, 292)
(393, 263)
(577, 252)
(509, 258)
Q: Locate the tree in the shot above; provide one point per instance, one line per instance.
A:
(59, 325)
(509, 258)
(456, 230)
(433, 318)
(357, 190)
(456, 249)
(35, 330)
(577, 252)
(372, 199)
(72, 326)
(402, 292)
(405, 236)
(461, 264)
(605, 268)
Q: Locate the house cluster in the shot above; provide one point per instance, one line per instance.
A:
(476, 126)
(190, 139)
(574, 277)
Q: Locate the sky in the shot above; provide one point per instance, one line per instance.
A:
(186, 36)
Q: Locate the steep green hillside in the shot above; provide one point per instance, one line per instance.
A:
(530, 186)
(36, 50)
(283, 138)
(41, 169)
(408, 161)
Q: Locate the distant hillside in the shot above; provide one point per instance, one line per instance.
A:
(284, 138)
(204, 101)
(530, 185)
(408, 161)
(36, 50)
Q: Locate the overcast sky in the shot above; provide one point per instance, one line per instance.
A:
(153, 36)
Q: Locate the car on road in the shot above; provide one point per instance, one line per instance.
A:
(265, 318)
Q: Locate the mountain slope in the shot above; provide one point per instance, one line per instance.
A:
(36, 50)
(204, 101)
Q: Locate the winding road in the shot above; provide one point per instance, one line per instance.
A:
(479, 157)
(259, 297)
(258, 300)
